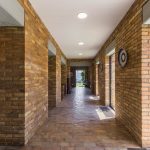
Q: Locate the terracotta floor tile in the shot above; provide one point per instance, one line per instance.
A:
(75, 125)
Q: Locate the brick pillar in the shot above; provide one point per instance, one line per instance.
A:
(52, 82)
(107, 92)
(145, 85)
(63, 80)
(12, 86)
(94, 78)
(58, 76)
(97, 79)
(91, 78)
(68, 78)
(102, 78)
(36, 74)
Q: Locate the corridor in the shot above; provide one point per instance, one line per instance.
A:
(74, 75)
(75, 125)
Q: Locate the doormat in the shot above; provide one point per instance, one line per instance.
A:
(107, 111)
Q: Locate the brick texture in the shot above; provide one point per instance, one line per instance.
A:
(112, 72)
(145, 85)
(130, 108)
(52, 82)
(58, 77)
(36, 75)
(93, 83)
(107, 81)
(63, 80)
(95, 86)
(96, 79)
(12, 86)
(24, 78)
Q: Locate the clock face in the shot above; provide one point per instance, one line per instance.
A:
(122, 58)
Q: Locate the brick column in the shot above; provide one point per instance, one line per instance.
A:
(107, 81)
(52, 82)
(145, 85)
(12, 86)
(68, 78)
(63, 80)
(58, 77)
(93, 72)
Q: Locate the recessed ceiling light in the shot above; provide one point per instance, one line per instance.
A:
(82, 15)
(80, 54)
(80, 43)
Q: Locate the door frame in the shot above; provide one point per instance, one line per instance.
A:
(110, 80)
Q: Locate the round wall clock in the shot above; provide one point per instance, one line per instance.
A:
(122, 58)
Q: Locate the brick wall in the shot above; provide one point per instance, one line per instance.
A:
(107, 82)
(36, 71)
(112, 72)
(12, 86)
(129, 109)
(52, 82)
(91, 77)
(93, 69)
(58, 77)
(24, 78)
(63, 80)
(146, 85)
(36, 74)
(97, 79)
(102, 77)
(68, 77)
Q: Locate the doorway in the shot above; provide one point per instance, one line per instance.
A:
(112, 81)
(80, 78)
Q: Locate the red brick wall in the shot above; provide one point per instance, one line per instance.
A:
(146, 85)
(128, 84)
(12, 86)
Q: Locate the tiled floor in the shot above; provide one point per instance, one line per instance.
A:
(75, 125)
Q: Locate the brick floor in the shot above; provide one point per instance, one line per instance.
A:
(75, 125)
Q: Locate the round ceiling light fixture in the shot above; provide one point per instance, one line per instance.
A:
(82, 15)
(80, 43)
(80, 54)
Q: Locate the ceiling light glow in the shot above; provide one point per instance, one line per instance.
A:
(80, 43)
(80, 54)
(82, 15)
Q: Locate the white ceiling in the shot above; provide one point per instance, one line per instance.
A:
(146, 13)
(11, 13)
(60, 17)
